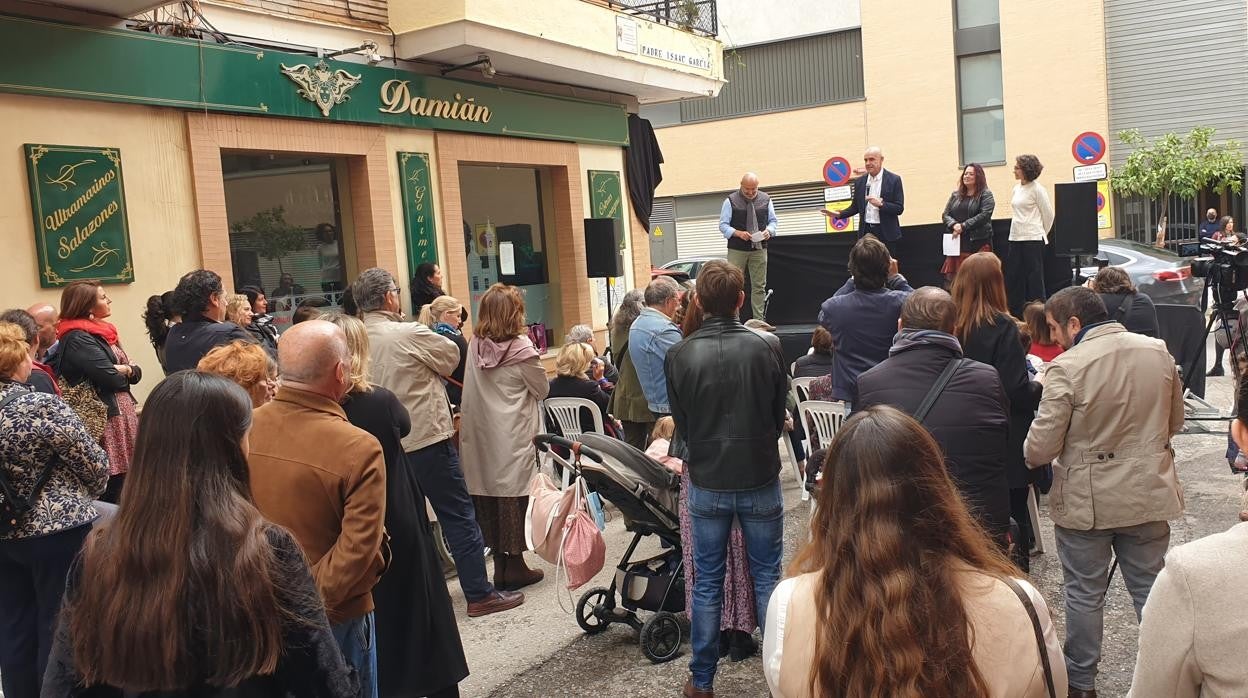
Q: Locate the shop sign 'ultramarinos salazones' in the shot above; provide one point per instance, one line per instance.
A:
(79, 208)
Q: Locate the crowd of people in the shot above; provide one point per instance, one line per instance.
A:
(272, 534)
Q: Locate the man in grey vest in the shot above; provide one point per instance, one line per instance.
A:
(748, 220)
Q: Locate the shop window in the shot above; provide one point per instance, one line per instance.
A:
(982, 109)
(505, 238)
(285, 229)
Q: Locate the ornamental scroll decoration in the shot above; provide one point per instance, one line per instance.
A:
(320, 85)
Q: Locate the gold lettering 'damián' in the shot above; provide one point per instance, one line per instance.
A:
(396, 98)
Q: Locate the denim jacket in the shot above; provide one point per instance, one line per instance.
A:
(651, 335)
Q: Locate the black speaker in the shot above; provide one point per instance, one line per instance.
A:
(1074, 220)
(602, 254)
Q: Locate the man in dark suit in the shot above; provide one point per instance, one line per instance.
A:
(879, 200)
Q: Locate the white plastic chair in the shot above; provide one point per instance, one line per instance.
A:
(823, 419)
(566, 413)
(801, 389)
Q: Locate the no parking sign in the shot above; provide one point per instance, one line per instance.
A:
(836, 171)
(1088, 148)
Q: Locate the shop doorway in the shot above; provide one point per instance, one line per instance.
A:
(505, 239)
(287, 236)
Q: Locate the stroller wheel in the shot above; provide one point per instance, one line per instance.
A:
(661, 637)
(589, 613)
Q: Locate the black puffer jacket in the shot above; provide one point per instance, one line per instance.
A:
(970, 419)
(999, 346)
(727, 385)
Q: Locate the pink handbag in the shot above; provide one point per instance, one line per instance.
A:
(547, 505)
(583, 551)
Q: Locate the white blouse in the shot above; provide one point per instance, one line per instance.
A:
(1033, 213)
(778, 611)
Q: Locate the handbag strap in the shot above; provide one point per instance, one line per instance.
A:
(1035, 626)
(1124, 307)
(7, 487)
(937, 388)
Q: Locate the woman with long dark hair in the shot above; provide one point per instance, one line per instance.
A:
(968, 217)
(158, 317)
(90, 350)
(628, 402)
(189, 591)
(899, 592)
(419, 652)
(426, 285)
(990, 335)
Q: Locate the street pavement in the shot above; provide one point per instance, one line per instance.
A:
(538, 650)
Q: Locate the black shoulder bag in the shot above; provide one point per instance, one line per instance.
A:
(937, 388)
(12, 507)
(1035, 626)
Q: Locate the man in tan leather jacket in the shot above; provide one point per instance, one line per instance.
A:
(1111, 403)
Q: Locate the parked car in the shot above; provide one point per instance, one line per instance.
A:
(682, 270)
(1162, 275)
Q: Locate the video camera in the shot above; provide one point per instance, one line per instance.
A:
(1223, 264)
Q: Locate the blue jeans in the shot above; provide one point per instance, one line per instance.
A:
(441, 479)
(761, 513)
(357, 638)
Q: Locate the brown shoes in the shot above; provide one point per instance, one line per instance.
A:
(511, 572)
(1080, 693)
(692, 691)
(496, 602)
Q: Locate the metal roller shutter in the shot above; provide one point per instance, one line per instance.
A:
(797, 210)
(696, 237)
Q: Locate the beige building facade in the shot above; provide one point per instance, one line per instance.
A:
(1052, 88)
(497, 195)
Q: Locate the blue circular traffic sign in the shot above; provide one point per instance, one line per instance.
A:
(840, 223)
(836, 171)
(1088, 148)
(1100, 202)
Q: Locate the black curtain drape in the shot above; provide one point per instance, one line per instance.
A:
(643, 158)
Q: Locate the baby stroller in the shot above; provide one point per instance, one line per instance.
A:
(647, 494)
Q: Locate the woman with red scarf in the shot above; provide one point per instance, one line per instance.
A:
(89, 350)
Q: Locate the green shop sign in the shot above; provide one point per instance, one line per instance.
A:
(606, 201)
(79, 208)
(417, 211)
(120, 65)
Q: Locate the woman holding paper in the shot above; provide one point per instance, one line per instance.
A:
(968, 219)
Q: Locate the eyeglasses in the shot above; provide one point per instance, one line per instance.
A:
(394, 289)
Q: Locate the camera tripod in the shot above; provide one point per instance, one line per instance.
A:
(1223, 310)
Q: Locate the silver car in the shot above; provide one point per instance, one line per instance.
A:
(1162, 275)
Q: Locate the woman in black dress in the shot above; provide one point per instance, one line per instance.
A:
(419, 652)
(990, 335)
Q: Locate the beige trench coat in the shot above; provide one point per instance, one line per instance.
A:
(501, 414)
(1110, 405)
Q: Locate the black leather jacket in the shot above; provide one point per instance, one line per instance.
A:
(727, 387)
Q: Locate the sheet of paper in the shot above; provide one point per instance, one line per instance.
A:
(953, 246)
(506, 258)
(758, 237)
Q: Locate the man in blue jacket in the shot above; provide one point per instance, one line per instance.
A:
(862, 316)
(651, 335)
(879, 200)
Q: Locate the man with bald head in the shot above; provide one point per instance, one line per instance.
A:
(46, 316)
(748, 220)
(968, 415)
(315, 474)
(879, 199)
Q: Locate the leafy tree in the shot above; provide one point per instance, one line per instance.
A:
(1174, 165)
(274, 237)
